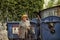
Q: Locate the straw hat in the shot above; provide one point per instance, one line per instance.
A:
(25, 15)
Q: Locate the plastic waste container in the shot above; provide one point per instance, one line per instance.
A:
(50, 28)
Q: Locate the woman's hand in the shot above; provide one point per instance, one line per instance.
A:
(28, 28)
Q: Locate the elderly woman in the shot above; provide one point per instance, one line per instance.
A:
(24, 27)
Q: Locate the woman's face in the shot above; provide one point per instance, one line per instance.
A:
(24, 18)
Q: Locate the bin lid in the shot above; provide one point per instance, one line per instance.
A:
(33, 21)
(13, 22)
(51, 19)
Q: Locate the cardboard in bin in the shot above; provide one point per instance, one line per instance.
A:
(15, 29)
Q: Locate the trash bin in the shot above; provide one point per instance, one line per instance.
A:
(35, 28)
(12, 28)
(50, 28)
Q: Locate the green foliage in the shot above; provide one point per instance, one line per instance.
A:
(50, 3)
(58, 3)
(13, 9)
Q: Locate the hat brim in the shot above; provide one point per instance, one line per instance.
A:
(25, 16)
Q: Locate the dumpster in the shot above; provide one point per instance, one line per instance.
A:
(12, 28)
(50, 28)
(35, 27)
